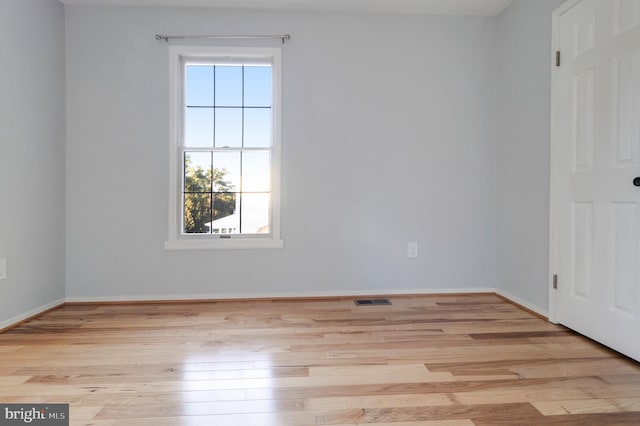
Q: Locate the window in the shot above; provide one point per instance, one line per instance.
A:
(225, 148)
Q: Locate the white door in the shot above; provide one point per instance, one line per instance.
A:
(595, 206)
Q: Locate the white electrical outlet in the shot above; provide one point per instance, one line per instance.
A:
(412, 249)
(3, 269)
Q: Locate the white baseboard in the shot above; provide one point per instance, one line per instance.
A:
(30, 314)
(291, 295)
(538, 310)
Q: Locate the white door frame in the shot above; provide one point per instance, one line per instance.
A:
(553, 233)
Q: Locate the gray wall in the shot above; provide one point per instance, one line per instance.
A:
(523, 127)
(388, 137)
(396, 129)
(32, 162)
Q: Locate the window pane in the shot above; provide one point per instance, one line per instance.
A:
(255, 213)
(225, 217)
(226, 169)
(199, 85)
(197, 172)
(256, 171)
(199, 127)
(197, 213)
(228, 86)
(257, 86)
(257, 127)
(228, 127)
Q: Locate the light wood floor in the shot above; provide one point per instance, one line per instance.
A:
(433, 361)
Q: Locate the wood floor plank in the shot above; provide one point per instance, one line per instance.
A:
(420, 423)
(380, 401)
(587, 406)
(447, 360)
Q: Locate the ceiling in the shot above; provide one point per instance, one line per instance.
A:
(381, 7)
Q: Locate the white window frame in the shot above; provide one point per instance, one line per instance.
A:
(178, 240)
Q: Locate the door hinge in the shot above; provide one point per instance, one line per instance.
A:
(555, 282)
(557, 58)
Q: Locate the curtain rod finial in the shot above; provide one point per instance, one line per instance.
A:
(161, 37)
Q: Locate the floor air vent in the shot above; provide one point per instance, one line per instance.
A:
(371, 302)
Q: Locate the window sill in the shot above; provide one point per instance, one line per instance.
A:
(230, 244)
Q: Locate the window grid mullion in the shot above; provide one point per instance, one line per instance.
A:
(211, 194)
(227, 106)
(225, 149)
(214, 144)
(241, 169)
(214, 106)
